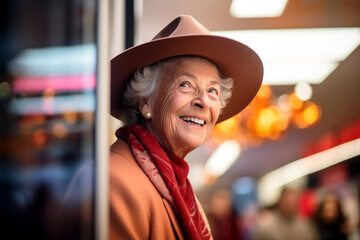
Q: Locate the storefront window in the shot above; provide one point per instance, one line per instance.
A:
(48, 66)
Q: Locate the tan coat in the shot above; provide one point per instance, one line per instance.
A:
(137, 210)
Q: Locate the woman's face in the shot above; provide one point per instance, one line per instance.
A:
(187, 106)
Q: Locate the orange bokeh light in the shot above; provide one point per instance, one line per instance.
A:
(311, 113)
(268, 117)
(295, 102)
(228, 127)
(60, 130)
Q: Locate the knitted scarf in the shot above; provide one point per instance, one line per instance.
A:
(168, 173)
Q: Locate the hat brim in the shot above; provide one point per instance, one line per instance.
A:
(232, 58)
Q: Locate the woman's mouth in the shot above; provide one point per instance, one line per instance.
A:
(195, 121)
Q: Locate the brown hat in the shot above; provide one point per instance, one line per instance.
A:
(186, 36)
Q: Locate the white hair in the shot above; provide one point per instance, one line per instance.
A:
(145, 82)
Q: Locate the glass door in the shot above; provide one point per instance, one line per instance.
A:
(48, 104)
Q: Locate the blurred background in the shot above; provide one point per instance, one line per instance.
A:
(302, 131)
(48, 84)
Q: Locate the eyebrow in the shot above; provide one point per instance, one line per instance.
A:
(212, 82)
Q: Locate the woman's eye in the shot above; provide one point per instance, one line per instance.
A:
(213, 90)
(184, 84)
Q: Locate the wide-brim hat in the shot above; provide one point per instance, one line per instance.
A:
(186, 36)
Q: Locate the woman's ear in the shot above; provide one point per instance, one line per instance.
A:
(145, 109)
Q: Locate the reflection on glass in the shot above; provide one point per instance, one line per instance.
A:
(47, 104)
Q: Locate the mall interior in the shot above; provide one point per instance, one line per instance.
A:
(301, 132)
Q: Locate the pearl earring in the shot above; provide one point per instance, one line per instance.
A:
(148, 115)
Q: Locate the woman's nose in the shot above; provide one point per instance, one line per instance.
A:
(201, 100)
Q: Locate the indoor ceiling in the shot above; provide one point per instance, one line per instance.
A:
(338, 95)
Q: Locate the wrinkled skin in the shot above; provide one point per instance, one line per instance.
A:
(189, 91)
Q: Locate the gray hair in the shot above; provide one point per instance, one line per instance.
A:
(145, 82)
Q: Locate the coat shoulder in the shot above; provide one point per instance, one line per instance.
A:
(137, 210)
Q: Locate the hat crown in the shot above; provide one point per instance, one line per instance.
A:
(181, 26)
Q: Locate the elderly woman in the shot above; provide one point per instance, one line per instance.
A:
(170, 93)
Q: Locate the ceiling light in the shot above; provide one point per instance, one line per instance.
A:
(223, 157)
(298, 55)
(303, 91)
(257, 8)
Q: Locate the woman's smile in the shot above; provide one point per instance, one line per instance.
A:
(194, 121)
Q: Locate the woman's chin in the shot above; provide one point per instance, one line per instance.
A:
(192, 144)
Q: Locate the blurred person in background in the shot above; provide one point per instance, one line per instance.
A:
(169, 94)
(223, 219)
(284, 223)
(330, 219)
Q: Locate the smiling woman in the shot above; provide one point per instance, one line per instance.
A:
(189, 89)
(170, 93)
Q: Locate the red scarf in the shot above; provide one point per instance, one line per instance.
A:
(168, 173)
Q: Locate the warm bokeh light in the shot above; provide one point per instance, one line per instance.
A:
(39, 137)
(295, 102)
(308, 115)
(283, 103)
(282, 122)
(228, 126)
(268, 117)
(265, 92)
(70, 117)
(60, 130)
(311, 113)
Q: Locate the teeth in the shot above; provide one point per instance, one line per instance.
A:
(194, 120)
